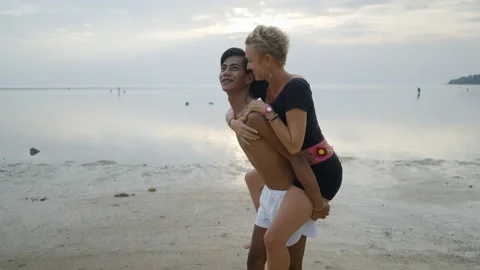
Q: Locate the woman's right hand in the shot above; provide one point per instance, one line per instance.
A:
(243, 131)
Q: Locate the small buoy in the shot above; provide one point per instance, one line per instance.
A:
(211, 103)
(186, 103)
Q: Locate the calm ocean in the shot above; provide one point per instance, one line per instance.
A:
(155, 126)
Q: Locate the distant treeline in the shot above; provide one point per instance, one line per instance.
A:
(471, 79)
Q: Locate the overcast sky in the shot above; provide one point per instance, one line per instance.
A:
(151, 42)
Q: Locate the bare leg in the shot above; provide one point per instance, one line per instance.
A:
(255, 185)
(295, 210)
(257, 255)
(296, 254)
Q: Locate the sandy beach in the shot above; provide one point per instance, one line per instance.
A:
(67, 217)
(115, 152)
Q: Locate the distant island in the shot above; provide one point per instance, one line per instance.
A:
(471, 79)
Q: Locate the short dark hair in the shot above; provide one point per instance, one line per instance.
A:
(235, 52)
(258, 89)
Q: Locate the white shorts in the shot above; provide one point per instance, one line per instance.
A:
(270, 201)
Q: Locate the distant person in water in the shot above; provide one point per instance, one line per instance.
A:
(281, 221)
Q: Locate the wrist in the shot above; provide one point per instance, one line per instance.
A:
(268, 110)
(270, 114)
(272, 118)
(319, 203)
(319, 208)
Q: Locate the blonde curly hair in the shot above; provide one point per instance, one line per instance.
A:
(270, 40)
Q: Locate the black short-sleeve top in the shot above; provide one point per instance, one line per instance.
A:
(298, 95)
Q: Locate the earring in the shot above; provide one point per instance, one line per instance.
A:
(268, 74)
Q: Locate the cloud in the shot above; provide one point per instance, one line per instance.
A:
(25, 10)
(381, 21)
(19, 11)
(475, 19)
(201, 18)
(54, 34)
(128, 29)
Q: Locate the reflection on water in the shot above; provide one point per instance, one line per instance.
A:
(387, 141)
(155, 126)
(139, 127)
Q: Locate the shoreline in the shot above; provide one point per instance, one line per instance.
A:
(201, 215)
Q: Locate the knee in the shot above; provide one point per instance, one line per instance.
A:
(272, 241)
(253, 180)
(250, 177)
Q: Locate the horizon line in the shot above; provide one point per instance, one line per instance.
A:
(139, 86)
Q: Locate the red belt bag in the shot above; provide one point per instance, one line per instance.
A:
(319, 152)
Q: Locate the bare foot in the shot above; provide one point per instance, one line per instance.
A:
(246, 246)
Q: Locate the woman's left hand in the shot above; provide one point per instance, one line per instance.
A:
(256, 106)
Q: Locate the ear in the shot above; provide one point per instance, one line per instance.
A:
(250, 78)
(268, 59)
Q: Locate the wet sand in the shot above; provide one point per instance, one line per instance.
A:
(201, 215)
